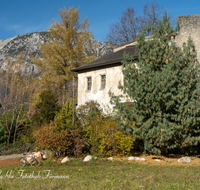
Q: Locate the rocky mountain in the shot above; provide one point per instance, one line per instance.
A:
(29, 43)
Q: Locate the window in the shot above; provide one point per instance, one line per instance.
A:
(89, 83)
(103, 81)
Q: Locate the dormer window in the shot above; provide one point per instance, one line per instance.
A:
(89, 83)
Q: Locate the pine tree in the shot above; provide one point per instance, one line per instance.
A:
(68, 46)
(46, 108)
(164, 88)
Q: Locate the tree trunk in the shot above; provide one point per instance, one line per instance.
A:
(8, 140)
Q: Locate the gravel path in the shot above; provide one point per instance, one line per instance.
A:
(6, 157)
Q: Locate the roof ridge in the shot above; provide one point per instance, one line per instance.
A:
(119, 45)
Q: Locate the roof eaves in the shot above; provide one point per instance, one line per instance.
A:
(100, 64)
(96, 65)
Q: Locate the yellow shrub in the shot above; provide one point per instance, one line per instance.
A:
(113, 141)
(106, 140)
(101, 132)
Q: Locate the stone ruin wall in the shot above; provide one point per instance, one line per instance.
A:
(189, 26)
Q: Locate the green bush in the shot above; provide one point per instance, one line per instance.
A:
(25, 135)
(63, 118)
(3, 133)
(61, 136)
(101, 133)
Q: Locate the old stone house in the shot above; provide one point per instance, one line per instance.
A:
(96, 78)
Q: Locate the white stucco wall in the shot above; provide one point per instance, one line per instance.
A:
(113, 77)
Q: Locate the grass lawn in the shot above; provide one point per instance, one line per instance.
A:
(101, 174)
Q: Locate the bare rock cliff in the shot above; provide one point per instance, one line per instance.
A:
(29, 43)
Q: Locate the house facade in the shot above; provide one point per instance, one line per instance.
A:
(96, 78)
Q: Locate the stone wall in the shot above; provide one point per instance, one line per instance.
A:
(189, 26)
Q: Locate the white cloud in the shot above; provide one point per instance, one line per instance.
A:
(22, 29)
(16, 28)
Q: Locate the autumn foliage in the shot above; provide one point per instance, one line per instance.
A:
(65, 48)
(100, 132)
(62, 142)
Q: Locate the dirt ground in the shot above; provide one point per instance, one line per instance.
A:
(9, 162)
(168, 160)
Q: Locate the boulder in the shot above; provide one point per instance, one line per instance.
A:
(64, 160)
(136, 158)
(37, 155)
(140, 159)
(26, 159)
(110, 158)
(184, 160)
(131, 158)
(157, 160)
(46, 154)
(33, 158)
(87, 158)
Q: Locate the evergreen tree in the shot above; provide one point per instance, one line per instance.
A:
(46, 107)
(164, 88)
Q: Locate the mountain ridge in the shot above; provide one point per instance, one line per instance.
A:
(29, 44)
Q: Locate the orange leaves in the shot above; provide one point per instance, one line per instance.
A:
(47, 138)
(69, 141)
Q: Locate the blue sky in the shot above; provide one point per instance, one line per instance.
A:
(22, 16)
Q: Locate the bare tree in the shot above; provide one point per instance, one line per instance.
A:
(130, 23)
(16, 87)
(152, 13)
(126, 29)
